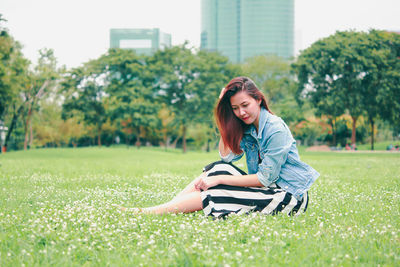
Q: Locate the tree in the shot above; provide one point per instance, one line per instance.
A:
(175, 70)
(7, 46)
(129, 85)
(272, 74)
(310, 130)
(343, 72)
(13, 80)
(189, 83)
(48, 127)
(381, 81)
(167, 126)
(215, 72)
(84, 92)
(43, 79)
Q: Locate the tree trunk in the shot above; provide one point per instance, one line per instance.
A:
(26, 135)
(12, 125)
(166, 142)
(127, 140)
(184, 138)
(26, 126)
(99, 136)
(173, 144)
(138, 143)
(353, 130)
(30, 135)
(32, 101)
(371, 120)
(333, 125)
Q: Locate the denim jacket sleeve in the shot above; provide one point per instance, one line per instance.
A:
(274, 152)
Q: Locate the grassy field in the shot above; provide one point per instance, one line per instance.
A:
(56, 209)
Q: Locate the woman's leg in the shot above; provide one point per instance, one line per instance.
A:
(189, 188)
(214, 168)
(187, 202)
(189, 199)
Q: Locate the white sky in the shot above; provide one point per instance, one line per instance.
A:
(78, 30)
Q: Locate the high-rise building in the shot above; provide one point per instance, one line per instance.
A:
(143, 41)
(240, 29)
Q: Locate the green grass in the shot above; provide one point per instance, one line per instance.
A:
(378, 145)
(56, 209)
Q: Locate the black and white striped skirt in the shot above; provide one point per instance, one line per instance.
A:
(222, 200)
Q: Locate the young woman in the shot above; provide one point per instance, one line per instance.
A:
(277, 181)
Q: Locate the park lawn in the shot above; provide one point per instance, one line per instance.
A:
(56, 209)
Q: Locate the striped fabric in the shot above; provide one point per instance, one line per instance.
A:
(222, 200)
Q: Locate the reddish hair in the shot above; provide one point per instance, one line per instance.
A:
(230, 126)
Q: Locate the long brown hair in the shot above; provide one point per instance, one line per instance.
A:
(230, 126)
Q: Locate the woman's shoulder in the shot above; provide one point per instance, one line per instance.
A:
(274, 124)
(272, 118)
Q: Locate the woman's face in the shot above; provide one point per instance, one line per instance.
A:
(246, 108)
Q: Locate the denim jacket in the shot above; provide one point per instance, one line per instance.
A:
(275, 147)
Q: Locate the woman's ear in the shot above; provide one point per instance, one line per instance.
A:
(259, 102)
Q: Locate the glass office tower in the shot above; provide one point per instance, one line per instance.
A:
(143, 41)
(241, 29)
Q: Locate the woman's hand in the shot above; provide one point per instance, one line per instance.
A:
(203, 183)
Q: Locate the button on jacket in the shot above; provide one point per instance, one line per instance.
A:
(280, 161)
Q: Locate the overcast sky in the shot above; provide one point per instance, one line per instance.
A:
(78, 30)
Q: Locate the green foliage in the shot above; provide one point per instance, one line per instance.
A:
(14, 79)
(311, 130)
(272, 75)
(381, 84)
(289, 110)
(347, 72)
(6, 50)
(43, 80)
(50, 130)
(151, 97)
(58, 210)
(175, 70)
(84, 92)
(274, 78)
(189, 83)
(170, 96)
(128, 83)
(203, 136)
(12, 68)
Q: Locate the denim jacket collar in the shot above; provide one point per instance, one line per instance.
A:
(251, 129)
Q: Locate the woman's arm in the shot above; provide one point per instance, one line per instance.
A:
(223, 149)
(226, 154)
(243, 180)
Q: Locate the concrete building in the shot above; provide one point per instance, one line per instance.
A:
(143, 41)
(240, 29)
